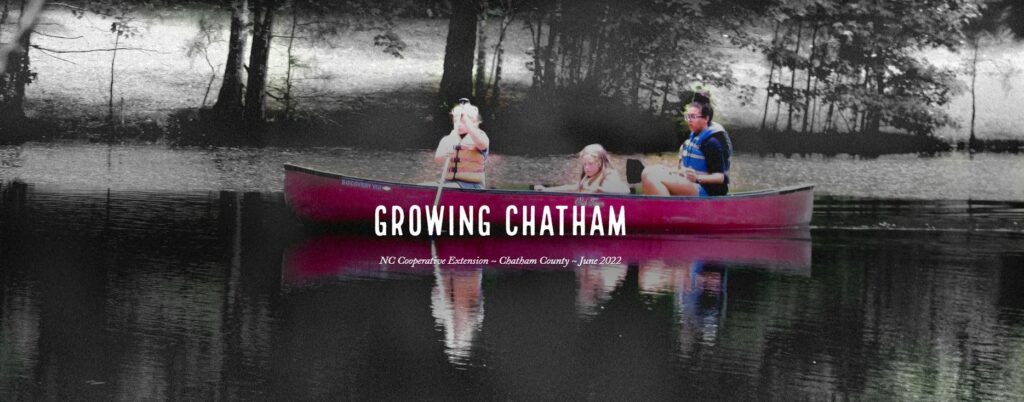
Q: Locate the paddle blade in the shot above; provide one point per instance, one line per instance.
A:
(634, 167)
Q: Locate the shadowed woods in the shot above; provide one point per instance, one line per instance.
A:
(549, 76)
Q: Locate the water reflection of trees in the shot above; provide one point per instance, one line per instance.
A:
(889, 316)
(133, 295)
(909, 320)
(183, 300)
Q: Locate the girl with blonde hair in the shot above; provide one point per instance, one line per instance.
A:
(596, 174)
(465, 148)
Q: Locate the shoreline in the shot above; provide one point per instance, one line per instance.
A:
(415, 130)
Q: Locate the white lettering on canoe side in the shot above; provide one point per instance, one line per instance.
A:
(363, 184)
(588, 202)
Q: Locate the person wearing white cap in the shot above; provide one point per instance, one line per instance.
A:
(465, 148)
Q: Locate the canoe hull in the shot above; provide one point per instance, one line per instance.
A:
(337, 199)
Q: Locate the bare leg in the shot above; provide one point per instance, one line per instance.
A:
(657, 180)
(651, 180)
(678, 185)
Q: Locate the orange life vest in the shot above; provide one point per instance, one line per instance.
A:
(468, 162)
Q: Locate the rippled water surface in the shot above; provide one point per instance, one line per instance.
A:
(139, 273)
(956, 176)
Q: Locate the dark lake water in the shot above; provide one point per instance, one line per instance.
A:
(139, 274)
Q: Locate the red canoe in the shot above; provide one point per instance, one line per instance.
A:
(326, 197)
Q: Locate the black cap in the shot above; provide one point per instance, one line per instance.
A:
(463, 100)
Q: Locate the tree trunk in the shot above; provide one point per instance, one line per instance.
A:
(875, 115)
(289, 101)
(495, 100)
(550, 65)
(771, 75)
(457, 79)
(12, 60)
(22, 72)
(807, 90)
(638, 73)
(15, 69)
(864, 122)
(537, 64)
(664, 96)
(814, 109)
(792, 79)
(828, 127)
(110, 99)
(480, 86)
(767, 95)
(972, 140)
(565, 50)
(255, 93)
(597, 45)
(229, 99)
(499, 50)
(854, 106)
(778, 109)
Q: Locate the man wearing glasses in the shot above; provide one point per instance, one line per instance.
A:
(703, 159)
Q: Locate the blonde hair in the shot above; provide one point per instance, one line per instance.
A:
(598, 152)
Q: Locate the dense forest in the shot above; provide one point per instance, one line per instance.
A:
(606, 71)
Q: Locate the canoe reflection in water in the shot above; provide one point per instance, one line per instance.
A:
(696, 287)
(699, 294)
(457, 304)
(691, 270)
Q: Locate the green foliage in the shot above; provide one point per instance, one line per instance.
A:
(206, 35)
(644, 53)
(123, 27)
(390, 43)
(322, 21)
(862, 58)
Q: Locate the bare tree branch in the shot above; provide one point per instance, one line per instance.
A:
(57, 36)
(46, 53)
(65, 5)
(272, 96)
(96, 50)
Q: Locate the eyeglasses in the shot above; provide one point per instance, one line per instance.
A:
(691, 117)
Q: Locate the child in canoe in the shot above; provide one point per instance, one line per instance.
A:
(464, 149)
(596, 174)
(704, 158)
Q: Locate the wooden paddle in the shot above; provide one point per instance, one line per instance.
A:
(440, 182)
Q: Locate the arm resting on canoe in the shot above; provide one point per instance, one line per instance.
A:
(611, 185)
(712, 178)
(565, 188)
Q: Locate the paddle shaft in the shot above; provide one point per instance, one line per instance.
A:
(440, 183)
